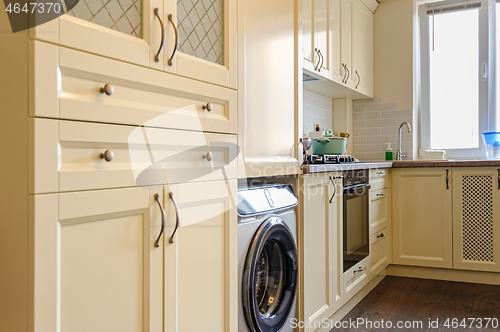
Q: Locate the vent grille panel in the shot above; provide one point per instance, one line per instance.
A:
(477, 214)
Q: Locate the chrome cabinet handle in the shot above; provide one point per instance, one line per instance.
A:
(380, 235)
(334, 186)
(348, 73)
(208, 107)
(322, 60)
(359, 79)
(157, 56)
(107, 155)
(163, 220)
(107, 89)
(380, 172)
(358, 270)
(447, 179)
(171, 20)
(380, 194)
(177, 217)
(345, 73)
(208, 156)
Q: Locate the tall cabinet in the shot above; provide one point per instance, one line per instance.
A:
(124, 215)
(322, 247)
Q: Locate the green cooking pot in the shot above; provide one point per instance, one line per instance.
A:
(329, 145)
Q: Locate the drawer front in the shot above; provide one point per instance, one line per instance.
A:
(379, 178)
(135, 95)
(380, 251)
(380, 209)
(356, 278)
(141, 156)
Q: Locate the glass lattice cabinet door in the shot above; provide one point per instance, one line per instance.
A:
(206, 40)
(127, 30)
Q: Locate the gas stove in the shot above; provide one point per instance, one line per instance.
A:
(329, 159)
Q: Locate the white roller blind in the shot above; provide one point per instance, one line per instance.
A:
(448, 6)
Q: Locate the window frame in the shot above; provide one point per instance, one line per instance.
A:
(487, 112)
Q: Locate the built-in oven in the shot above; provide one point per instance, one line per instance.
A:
(356, 214)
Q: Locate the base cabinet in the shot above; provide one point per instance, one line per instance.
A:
(95, 265)
(380, 251)
(322, 247)
(356, 278)
(476, 218)
(422, 222)
(200, 263)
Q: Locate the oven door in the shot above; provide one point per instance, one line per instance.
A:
(356, 236)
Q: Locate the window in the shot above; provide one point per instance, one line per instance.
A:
(458, 75)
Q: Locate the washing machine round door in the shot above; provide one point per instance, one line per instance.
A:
(270, 277)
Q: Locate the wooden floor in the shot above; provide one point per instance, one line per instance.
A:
(398, 299)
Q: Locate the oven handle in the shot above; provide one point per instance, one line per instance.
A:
(353, 189)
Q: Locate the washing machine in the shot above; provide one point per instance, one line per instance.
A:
(267, 258)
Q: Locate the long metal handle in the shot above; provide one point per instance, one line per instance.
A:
(498, 179)
(319, 59)
(322, 60)
(348, 73)
(380, 194)
(447, 179)
(163, 220)
(157, 56)
(171, 20)
(177, 217)
(359, 79)
(334, 186)
(345, 73)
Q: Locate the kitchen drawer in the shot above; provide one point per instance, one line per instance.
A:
(380, 209)
(67, 156)
(356, 278)
(379, 178)
(68, 86)
(380, 251)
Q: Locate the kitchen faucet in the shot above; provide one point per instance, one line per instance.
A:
(400, 153)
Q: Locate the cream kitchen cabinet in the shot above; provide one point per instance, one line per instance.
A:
(74, 85)
(476, 218)
(422, 219)
(380, 251)
(362, 73)
(196, 40)
(321, 29)
(356, 278)
(200, 257)
(95, 266)
(322, 246)
(380, 200)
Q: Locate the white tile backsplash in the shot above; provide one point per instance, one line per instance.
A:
(375, 125)
(317, 109)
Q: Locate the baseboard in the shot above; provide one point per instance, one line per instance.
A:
(492, 278)
(347, 307)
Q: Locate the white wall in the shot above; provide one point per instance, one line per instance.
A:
(317, 109)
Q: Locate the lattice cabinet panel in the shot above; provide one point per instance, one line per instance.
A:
(475, 219)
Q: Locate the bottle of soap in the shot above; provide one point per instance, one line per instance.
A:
(388, 152)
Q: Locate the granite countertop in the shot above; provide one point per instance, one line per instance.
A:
(307, 169)
(444, 163)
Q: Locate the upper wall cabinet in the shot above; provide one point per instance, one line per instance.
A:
(193, 39)
(338, 47)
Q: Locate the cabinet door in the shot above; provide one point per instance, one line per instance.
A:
(201, 262)
(362, 48)
(322, 33)
(346, 41)
(380, 209)
(476, 218)
(422, 217)
(321, 248)
(308, 33)
(123, 30)
(95, 265)
(206, 37)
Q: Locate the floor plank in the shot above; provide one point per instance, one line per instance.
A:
(397, 299)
